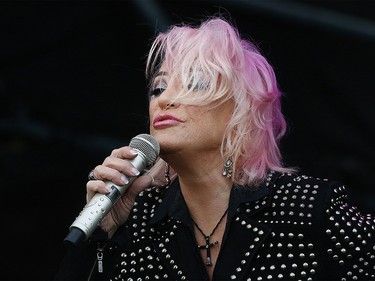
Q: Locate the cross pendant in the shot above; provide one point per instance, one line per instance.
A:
(208, 246)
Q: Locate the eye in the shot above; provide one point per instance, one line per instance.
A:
(157, 90)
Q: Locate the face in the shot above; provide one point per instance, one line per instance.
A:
(184, 129)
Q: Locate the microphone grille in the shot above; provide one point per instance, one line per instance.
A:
(148, 145)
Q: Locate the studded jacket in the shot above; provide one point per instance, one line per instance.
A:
(291, 227)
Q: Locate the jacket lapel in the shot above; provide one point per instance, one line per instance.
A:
(245, 238)
(173, 244)
(174, 237)
(244, 235)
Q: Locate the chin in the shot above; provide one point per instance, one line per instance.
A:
(167, 142)
(163, 138)
(162, 134)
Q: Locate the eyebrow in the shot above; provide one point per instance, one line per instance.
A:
(161, 73)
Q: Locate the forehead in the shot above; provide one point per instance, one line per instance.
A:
(161, 72)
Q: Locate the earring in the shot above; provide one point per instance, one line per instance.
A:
(166, 174)
(228, 168)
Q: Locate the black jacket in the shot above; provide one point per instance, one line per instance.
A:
(291, 227)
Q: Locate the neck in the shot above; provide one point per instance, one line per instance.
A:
(205, 189)
(206, 192)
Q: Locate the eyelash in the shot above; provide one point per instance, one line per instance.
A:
(157, 92)
(159, 89)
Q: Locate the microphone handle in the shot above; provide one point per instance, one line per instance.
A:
(100, 205)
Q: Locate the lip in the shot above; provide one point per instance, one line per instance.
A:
(165, 120)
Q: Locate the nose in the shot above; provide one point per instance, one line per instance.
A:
(166, 99)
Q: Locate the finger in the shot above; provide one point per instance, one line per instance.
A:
(105, 173)
(125, 152)
(95, 186)
(124, 166)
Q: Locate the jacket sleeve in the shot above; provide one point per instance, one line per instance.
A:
(349, 236)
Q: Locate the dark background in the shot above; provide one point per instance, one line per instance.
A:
(72, 88)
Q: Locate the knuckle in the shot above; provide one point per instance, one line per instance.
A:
(115, 152)
(90, 186)
(98, 173)
(107, 159)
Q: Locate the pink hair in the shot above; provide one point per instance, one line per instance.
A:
(215, 59)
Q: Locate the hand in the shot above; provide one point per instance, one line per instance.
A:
(117, 168)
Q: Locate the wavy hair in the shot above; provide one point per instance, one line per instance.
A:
(214, 64)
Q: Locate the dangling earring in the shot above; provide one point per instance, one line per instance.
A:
(166, 173)
(228, 168)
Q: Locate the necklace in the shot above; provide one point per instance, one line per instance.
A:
(209, 244)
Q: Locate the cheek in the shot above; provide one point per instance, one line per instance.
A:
(151, 109)
(206, 126)
(214, 124)
(151, 106)
(151, 114)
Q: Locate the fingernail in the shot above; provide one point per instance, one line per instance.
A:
(124, 179)
(135, 171)
(109, 188)
(134, 152)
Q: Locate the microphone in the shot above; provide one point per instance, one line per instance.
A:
(98, 207)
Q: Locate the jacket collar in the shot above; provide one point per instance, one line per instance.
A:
(174, 206)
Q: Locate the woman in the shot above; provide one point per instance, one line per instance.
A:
(219, 204)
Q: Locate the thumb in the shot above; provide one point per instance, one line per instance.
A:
(138, 185)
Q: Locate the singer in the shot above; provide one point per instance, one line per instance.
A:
(218, 204)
